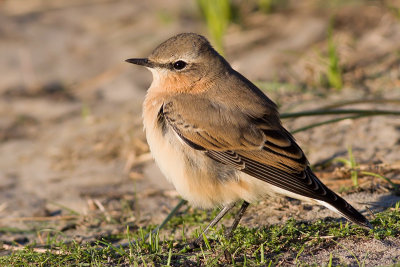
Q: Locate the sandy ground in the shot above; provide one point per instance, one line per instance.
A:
(70, 108)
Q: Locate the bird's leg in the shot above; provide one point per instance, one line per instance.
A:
(222, 213)
(239, 215)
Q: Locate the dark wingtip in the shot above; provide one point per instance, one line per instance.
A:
(362, 223)
(369, 226)
(351, 214)
(341, 206)
(366, 225)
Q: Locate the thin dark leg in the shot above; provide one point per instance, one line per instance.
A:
(221, 214)
(238, 216)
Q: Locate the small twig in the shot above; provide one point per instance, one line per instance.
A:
(370, 212)
(99, 205)
(41, 219)
(373, 204)
(102, 209)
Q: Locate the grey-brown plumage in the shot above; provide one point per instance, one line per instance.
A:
(217, 137)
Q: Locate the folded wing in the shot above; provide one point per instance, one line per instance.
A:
(256, 145)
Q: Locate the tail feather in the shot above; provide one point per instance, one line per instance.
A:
(341, 206)
(348, 212)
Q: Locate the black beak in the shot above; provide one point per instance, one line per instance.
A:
(141, 61)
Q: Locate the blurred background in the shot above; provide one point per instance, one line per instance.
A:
(71, 135)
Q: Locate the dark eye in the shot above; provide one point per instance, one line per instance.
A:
(179, 65)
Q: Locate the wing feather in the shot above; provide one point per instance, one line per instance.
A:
(257, 146)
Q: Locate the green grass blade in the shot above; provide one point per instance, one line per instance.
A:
(313, 125)
(321, 112)
(395, 186)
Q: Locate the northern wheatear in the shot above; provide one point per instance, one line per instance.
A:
(218, 138)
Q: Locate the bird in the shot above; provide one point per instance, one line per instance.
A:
(219, 139)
